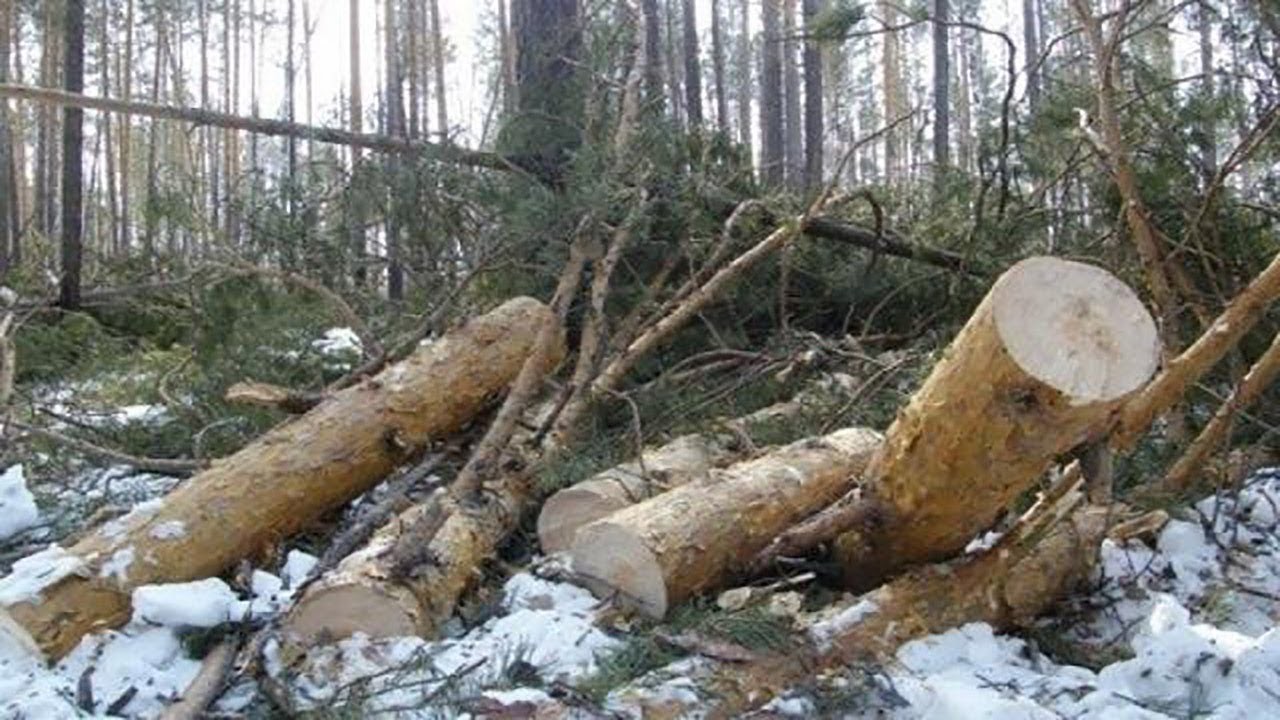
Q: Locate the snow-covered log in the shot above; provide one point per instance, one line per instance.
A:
(276, 485)
(1044, 362)
(698, 536)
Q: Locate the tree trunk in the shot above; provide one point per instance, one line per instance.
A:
(717, 68)
(72, 158)
(685, 459)
(772, 167)
(667, 549)
(1208, 128)
(7, 175)
(746, 88)
(1006, 587)
(280, 483)
(437, 47)
(814, 134)
(794, 144)
(941, 83)
(548, 44)
(126, 133)
(413, 59)
(894, 102)
(112, 245)
(692, 68)
(355, 218)
(393, 108)
(653, 88)
(1059, 346)
(1031, 47)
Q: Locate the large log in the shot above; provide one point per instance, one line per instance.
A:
(1047, 358)
(660, 552)
(1007, 587)
(683, 460)
(278, 484)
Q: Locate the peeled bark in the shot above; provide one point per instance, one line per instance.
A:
(660, 552)
(686, 459)
(278, 484)
(1040, 368)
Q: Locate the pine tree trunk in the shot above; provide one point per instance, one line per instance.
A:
(746, 88)
(692, 67)
(355, 218)
(126, 133)
(548, 41)
(813, 94)
(717, 67)
(1059, 346)
(112, 246)
(660, 552)
(279, 484)
(772, 168)
(72, 159)
(1031, 48)
(151, 208)
(891, 79)
(1208, 128)
(413, 60)
(653, 88)
(437, 46)
(794, 144)
(507, 51)
(675, 70)
(941, 89)
(393, 108)
(7, 175)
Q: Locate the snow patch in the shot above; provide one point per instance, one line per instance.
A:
(33, 574)
(118, 566)
(203, 603)
(18, 511)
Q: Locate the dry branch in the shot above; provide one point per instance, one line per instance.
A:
(261, 126)
(278, 484)
(267, 395)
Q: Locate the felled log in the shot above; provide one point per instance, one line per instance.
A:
(683, 460)
(1046, 359)
(655, 554)
(1035, 565)
(277, 484)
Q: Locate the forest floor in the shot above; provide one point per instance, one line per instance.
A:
(1183, 625)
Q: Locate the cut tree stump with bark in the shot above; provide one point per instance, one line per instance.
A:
(662, 551)
(1044, 362)
(274, 486)
(685, 459)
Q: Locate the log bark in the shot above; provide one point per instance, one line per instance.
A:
(686, 459)
(1006, 587)
(671, 547)
(278, 484)
(1044, 362)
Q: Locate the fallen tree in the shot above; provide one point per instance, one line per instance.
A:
(276, 485)
(667, 549)
(1037, 372)
(685, 459)
(1049, 552)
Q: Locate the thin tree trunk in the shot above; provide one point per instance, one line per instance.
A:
(941, 82)
(413, 60)
(653, 88)
(394, 111)
(72, 158)
(717, 66)
(151, 208)
(1208, 129)
(794, 144)
(508, 52)
(437, 46)
(230, 105)
(692, 67)
(674, 68)
(771, 113)
(208, 154)
(1031, 47)
(746, 88)
(126, 133)
(355, 219)
(893, 99)
(108, 123)
(813, 94)
(291, 115)
(7, 190)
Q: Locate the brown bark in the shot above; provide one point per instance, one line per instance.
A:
(692, 66)
(1058, 345)
(286, 479)
(667, 549)
(1006, 587)
(686, 459)
(1260, 377)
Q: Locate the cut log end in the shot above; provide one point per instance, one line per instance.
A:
(611, 560)
(343, 609)
(570, 509)
(1076, 328)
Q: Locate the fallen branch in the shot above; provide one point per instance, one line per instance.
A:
(162, 466)
(207, 685)
(260, 394)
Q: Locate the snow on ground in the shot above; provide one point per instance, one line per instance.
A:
(18, 511)
(1189, 626)
(543, 632)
